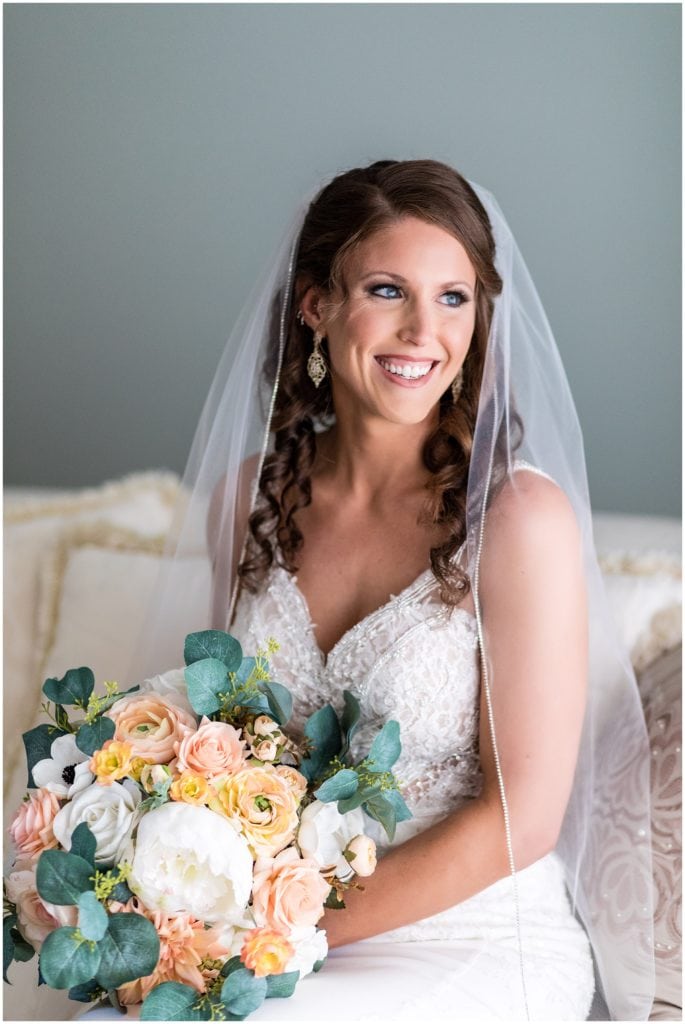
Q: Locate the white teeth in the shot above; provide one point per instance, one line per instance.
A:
(407, 371)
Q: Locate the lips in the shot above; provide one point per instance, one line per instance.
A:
(405, 371)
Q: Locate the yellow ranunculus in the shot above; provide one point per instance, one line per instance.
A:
(191, 789)
(113, 761)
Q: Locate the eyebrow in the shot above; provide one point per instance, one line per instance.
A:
(403, 280)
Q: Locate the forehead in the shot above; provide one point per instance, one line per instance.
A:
(415, 246)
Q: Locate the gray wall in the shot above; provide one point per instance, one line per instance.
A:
(155, 152)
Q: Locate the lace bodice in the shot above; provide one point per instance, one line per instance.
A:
(413, 659)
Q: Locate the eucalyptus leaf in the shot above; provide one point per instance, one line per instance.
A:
(7, 944)
(130, 950)
(84, 993)
(350, 719)
(38, 744)
(83, 843)
(234, 964)
(90, 738)
(242, 993)
(340, 786)
(332, 902)
(172, 1001)
(322, 729)
(92, 917)
(386, 747)
(23, 950)
(66, 959)
(280, 986)
(364, 793)
(402, 812)
(280, 700)
(215, 645)
(318, 965)
(62, 877)
(75, 687)
(383, 811)
(205, 680)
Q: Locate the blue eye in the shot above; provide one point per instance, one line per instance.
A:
(455, 299)
(380, 289)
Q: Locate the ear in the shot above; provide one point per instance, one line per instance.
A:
(311, 306)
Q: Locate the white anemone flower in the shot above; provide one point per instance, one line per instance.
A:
(65, 773)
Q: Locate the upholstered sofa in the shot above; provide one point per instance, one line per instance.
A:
(79, 568)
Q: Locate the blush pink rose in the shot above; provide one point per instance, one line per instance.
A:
(152, 725)
(215, 749)
(34, 919)
(288, 892)
(31, 830)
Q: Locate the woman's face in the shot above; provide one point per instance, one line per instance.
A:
(399, 339)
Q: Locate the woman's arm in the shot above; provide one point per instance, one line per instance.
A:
(534, 610)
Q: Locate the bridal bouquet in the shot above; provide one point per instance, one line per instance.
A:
(177, 846)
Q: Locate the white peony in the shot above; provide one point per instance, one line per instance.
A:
(172, 686)
(66, 772)
(110, 812)
(324, 833)
(190, 860)
(310, 946)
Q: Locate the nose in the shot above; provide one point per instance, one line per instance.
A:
(418, 324)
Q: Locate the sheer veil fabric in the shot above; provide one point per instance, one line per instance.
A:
(605, 839)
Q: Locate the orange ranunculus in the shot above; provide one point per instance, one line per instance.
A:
(191, 789)
(266, 951)
(31, 829)
(152, 725)
(263, 804)
(113, 761)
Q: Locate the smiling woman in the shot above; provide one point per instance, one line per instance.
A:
(415, 528)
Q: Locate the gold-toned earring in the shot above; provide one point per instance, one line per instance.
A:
(316, 366)
(457, 385)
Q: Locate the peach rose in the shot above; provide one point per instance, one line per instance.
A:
(266, 951)
(295, 780)
(152, 725)
(191, 789)
(215, 749)
(111, 762)
(288, 891)
(184, 943)
(35, 921)
(31, 830)
(263, 804)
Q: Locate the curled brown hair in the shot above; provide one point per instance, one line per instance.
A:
(351, 208)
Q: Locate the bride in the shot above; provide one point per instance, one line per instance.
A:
(415, 527)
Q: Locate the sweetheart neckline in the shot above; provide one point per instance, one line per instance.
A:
(325, 658)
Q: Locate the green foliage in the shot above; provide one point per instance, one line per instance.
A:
(85, 993)
(350, 720)
(341, 786)
(37, 744)
(215, 645)
(364, 793)
(334, 901)
(74, 688)
(68, 959)
(92, 917)
(279, 699)
(129, 948)
(159, 795)
(233, 964)
(62, 877)
(83, 843)
(386, 748)
(322, 730)
(14, 945)
(318, 965)
(280, 986)
(90, 738)
(173, 1001)
(205, 681)
(242, 993)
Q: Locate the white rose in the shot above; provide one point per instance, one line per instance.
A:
(190, 860)
(172, 686)
(310, 946)
(66, 772)
(361, 855)
(324, 833)
(108, 811)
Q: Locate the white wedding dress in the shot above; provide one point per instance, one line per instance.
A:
(413, 661)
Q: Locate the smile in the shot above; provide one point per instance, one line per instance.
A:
(406, 370)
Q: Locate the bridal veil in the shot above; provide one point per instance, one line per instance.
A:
(525, 412)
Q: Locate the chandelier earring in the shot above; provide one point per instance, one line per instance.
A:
(316, 366)
(457, 385)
